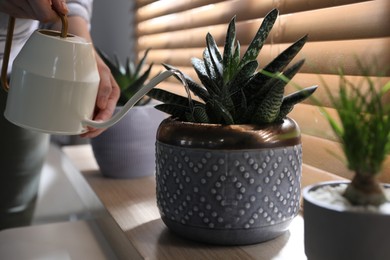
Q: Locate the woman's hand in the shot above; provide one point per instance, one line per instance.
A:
(108, 95)
(41, 10)
(109, 91)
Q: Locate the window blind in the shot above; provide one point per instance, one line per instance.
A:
(340, 33)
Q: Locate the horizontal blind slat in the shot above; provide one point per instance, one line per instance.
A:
(324, 154)
(314, 21)
(328, 156)
(164, 7)
(321, 57)
(141, 3)
(312, 121)
(321, 25)
(312, 175)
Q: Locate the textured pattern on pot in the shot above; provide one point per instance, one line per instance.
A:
(228, 194)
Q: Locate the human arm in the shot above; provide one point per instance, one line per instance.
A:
(34, 9)
(108, 93)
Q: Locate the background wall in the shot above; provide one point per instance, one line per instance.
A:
(112, 27)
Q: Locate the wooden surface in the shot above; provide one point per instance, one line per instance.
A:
(132, 203)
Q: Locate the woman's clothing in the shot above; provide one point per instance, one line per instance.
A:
(22, 151)
(25, 27)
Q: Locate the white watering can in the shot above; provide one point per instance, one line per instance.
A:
(54, 83)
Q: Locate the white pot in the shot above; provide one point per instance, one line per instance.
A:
(339, 232)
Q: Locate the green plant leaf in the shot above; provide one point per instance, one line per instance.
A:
(199, 114)
(130, 68)
(141, 63)
(240, 80)
(228, 52)
(269, 107)
(202, 73)
(213, 73)
(258, 41)
(268, 110)
(168, 97)
(174, 110)
(116, 71)
(236, 59)
(290, 100)
(132, 88)
(198, 90)
(219, 113)
(243, 76)
(277, 65)
(128, 77)
(232, 90)
(215, 57)
(285, 57)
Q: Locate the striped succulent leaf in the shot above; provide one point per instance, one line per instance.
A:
(215, 59)
(219, 113)
(229, 59)
(203, 75)
(234, 91)
(269, 108)
(197, 89)
(241, 79)
(212, 71)
(199, 114)
(277, 65)
(174, 110)
(258, 41)
(294, 98)
(173, 101)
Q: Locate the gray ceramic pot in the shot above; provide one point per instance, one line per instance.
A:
(333, 233)
(228, 185)
(22, 156)
(126, 150)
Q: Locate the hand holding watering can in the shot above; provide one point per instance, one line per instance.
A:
(54, 84)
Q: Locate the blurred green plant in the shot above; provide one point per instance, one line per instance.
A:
(363, 129)
(130, 77)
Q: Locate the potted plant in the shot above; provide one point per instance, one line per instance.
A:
(351, 219)
(229, 166)
(126, 150)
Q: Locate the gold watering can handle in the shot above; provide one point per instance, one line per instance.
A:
(8, 43)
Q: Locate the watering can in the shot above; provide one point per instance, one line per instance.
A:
(54, 83)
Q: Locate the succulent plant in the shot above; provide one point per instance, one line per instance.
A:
(129, 77)
(234, 91)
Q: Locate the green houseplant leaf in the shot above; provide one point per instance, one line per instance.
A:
(363, 129)
(234, 90)
(130, 78)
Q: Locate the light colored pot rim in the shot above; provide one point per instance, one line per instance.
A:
(310, 199)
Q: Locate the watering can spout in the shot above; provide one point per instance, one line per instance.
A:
(130, 103)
